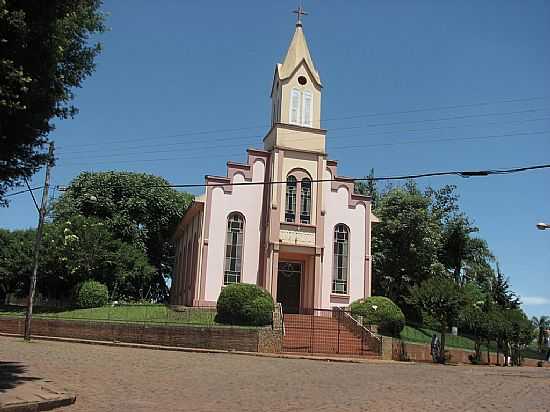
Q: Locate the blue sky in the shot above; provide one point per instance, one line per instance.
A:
(171, 69)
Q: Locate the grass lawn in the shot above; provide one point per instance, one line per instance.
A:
(424, 335)
(158, 314)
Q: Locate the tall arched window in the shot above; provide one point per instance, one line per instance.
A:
(234, 248)
(305, 201)
(290, 203)
(341, 259)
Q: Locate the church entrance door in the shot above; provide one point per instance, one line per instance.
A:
(288, 286)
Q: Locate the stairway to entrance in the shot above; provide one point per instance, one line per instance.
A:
(325, 331)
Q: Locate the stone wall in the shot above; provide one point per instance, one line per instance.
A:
(190, 336)
(270, 338)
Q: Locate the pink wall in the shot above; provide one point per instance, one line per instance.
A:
(337, 211)
(248, 201)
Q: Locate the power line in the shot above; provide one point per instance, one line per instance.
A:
(366, 115)
(32, 194)
(139, 148)
(464, 174)
(457, 106)
(24, 191)
(343, 147)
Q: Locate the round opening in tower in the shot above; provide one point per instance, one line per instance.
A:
(302, 80)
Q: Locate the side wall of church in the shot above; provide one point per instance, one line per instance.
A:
(246, 200)
(187, 264)
(338, 210)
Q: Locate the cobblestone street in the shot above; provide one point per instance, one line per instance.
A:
(123, 379)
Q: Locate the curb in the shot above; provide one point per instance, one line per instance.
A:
(36, 406)
(201, 350)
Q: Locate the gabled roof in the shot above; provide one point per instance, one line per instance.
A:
(297, 52)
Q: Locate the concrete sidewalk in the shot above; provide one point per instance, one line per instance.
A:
(22, 393)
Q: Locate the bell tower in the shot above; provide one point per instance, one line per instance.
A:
(296, 98)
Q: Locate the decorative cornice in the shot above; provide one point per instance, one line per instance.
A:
(295, 127)
(349, 183)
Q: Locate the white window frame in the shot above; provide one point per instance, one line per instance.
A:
(298, 121)
(307, 120)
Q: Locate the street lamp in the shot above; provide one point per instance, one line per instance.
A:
(542, 226)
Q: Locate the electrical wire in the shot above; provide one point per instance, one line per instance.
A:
(106, 159)
(24, 191)
(464, 174)
(366, 115)
(139, 148)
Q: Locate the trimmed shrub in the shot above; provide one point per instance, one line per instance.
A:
(245, 304)
(381, 311)
(92, 294)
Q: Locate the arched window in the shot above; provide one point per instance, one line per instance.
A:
(290, 203)
(305, 201)
(234, 248)
(341, 259)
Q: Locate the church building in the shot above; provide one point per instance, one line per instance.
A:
(284, 220)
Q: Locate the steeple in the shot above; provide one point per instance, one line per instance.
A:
(296, 90)
(298, 52)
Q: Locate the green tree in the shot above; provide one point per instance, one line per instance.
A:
(406, 243)
(512, 332)
(84, 249)
(540, 324)
(474, 316)
(368, 188)
(441, 300)
(137, 208)
(45, 52)
(502, 295)
(467, 258)
(16, 252)
(72, 252)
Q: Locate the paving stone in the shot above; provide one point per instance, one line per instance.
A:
(130, 379)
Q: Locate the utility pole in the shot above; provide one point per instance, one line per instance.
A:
(37, 241)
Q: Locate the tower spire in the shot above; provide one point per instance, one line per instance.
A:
(300, 12)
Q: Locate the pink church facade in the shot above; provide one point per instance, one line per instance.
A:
(283, 220)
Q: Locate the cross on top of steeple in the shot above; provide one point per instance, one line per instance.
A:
(300, 12)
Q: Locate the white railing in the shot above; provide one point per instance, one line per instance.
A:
(374, 342)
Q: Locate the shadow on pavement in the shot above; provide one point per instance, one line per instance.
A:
(11, 374)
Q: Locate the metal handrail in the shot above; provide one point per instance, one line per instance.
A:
(370, 332)
(281, 315)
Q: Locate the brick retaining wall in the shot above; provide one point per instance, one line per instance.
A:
(189, 336)
(420, 352)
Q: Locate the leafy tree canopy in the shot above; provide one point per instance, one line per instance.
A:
(72, 252)
(16, 252)
(406, 242)
(441, 301)
(139, 209)
(421, 235)
(45, 52)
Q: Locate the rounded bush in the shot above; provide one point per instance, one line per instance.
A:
(381, 311)
(245, 304)
(92, 294)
